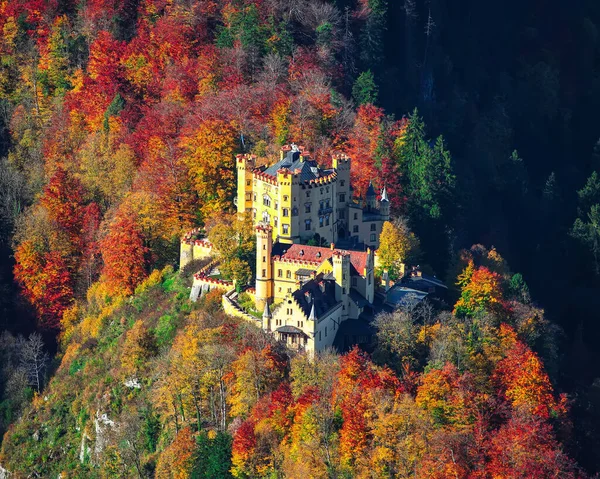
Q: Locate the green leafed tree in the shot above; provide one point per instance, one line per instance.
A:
(365, 89)
(427, 169)
(588, 232)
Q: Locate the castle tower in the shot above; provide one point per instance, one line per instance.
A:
(342, 194)
(244, 165)
(341, 273)
(285, 228)
(371, 198)
(384, 205)
(264, 265)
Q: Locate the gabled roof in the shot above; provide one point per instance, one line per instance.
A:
(357, 298)
(317, 254)
(318, 294)
(306, 169)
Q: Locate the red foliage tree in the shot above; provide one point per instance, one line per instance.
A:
(63, 198)
(123, 252)
(362, 146)
(46, 281)
(524, 448)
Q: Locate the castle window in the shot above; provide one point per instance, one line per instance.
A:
(266, 200)
(247, 182)
(264, 259)
(342, 182)
(254, 197)
(266, 218)
(321, 204)
(327, 220)
(308, 194)
(286, 198)
(286, 229)
(342, 198)
(327, 189)
(279, 290)
(307, 207)
(254, 214)
(264, 273)
(276, 205)
(321, 221)
(264, 246)
(373, 227)
(275, 221)
(373, 237)
(355, 216)
(279, 275)
(288, 274)
(286, 212)
(248, 196)
(321, 190)
(289, 290)
(307, 225)
(369, 277)
(327, 204)
(325, 331)
(319, 335)
(355, 229)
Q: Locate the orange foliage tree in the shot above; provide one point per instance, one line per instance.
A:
(482, 291)
(177, 460)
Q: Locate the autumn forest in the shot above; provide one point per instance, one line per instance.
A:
(120, 121)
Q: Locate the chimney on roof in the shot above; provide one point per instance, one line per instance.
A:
(301, 252)
(332, 246)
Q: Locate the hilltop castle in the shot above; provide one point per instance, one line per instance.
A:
(302, 201)
(305, 292)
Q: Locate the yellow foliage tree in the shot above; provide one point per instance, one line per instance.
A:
(140, 346)
(209, 155)
(397, 244)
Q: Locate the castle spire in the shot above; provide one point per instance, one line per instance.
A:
(267, 312)
(384, 196)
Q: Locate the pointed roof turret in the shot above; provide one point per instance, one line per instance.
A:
(266, 312)
(384, 196)
(370, 190)
(313, 315)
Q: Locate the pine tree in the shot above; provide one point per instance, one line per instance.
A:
(365, 89)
